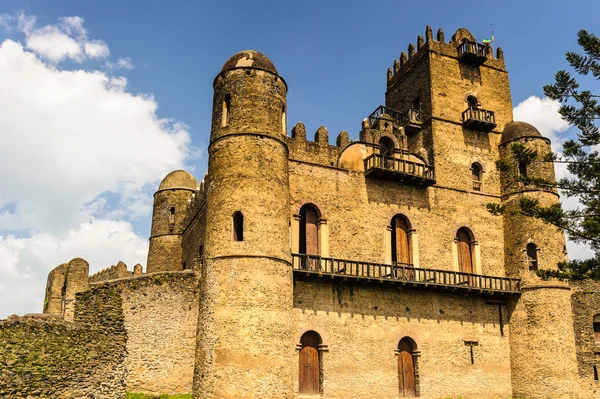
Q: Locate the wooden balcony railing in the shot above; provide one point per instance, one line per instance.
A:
(471, 52)
(313, 266)
(378, 165)
(480, 119)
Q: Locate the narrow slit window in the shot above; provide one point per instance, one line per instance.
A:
(171, 218)
(238, 226)
(532, 259)
(226, 109)
(595, 373)
(523, 169)
(476, 172)
(283, 120)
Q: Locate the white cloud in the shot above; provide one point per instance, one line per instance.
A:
(543, 114)
(121, 63)
(27, 261)
(96, 49)
(80, 157)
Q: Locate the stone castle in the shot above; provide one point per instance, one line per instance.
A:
(301, 269)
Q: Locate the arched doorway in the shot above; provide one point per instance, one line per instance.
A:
(386, 149)
(406, 368)
(464, 246)
(401, 251)
(310, 364)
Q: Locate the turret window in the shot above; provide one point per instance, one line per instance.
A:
(596, 325)
(532, 260)
(476, 174)
(238, 226)
(226, 110)
(523, 169)
(171, 218)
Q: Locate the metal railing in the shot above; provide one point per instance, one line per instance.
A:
(399, 272)
(399, 165)
(469, 47)
(479, 115)
(410, 116)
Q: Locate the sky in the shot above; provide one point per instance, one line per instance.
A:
(100, 100)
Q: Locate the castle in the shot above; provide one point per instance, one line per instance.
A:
(300, 269)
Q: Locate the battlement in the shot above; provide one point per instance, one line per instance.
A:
(318, 151)
(115, 271)
(463, 47)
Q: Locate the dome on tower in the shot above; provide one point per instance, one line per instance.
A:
(517, 130)
(249, 59)
(178, 179)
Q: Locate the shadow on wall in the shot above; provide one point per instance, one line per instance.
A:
(368, 302)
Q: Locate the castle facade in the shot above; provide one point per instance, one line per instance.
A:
(301, 269)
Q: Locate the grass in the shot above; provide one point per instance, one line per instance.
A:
(134, 395)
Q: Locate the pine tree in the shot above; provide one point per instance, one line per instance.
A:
(579, 108)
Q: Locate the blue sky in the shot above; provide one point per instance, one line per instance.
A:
(142, 74)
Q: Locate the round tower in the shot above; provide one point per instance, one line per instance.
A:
(171, 203)
(541, 325)
(245, 340)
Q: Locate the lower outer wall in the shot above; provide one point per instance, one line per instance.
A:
(543, 359)
(362, 327)
(161, 312)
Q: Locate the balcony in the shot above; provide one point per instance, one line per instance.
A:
(411, 122)
(402, 276)
(479, 119)
(471, 52)
(378, 165)
(395, 115)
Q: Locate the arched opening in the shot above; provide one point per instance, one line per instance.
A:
(416, 104)
(532, 260)
(386, 149)
(226, 110)
(472, 102)
(596, 325)
(238, 226)
(523, 169)
(401, 250)
(171, 218)
(476, 174)
(309, 230)
(464, 243)
(310, 363)
(406, 368)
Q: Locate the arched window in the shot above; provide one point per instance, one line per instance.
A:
(523, 169)
(309, 230)
(401, 251)
(472, 102)
(416, 104)
(476, 173)
(310, 363)
(226, 110)
(464, 249)
(238, 226)
(532, 260)
(386, 146)
(596, 325)
(406, 368)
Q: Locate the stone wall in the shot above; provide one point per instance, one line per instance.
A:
(160, 313)
(361, 327)
(43, 356)
(115, 271)
(585, 302)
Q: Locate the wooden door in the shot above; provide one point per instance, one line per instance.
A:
(406, 370)
(400, 245)
(465, 262)
(309, 364)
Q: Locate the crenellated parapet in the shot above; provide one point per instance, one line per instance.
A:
(463, 46)
(115, 271)
(318, 151)
(64, 283)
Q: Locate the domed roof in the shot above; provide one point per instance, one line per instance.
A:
(249, 59)
(178, 179)
(515, 130)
